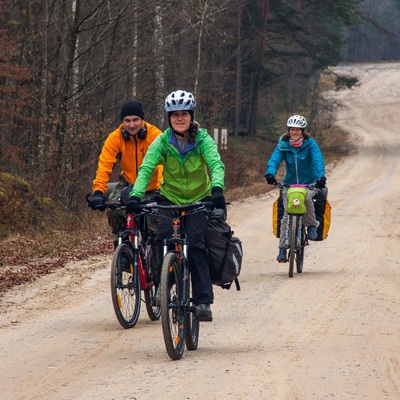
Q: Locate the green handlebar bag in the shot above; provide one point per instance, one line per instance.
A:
(296, 200)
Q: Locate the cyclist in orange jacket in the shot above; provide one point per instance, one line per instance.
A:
(128, 145)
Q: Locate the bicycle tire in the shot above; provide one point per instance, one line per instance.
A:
(300, 251)
(173, 314)
(153, 311)
(193, 323)
(125, 288)
(292, 221)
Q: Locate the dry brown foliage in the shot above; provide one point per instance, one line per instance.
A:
(38, 236)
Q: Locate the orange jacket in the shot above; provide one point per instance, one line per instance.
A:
(130, 155)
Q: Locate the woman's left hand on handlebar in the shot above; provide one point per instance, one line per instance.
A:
(321, 183)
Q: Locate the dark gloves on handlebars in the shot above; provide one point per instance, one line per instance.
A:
(98, 201)
(217, 197)
(270, 179)
(133, 205)
(321, 183)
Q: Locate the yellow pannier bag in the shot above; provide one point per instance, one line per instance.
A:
(277, 214)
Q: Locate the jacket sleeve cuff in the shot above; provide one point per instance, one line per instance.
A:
(216, 189)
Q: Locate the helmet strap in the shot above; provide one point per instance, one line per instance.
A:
(183, 135)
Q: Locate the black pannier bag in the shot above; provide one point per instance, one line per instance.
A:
(225, 254)
(323, 213)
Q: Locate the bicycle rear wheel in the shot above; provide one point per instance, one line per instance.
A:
(193, 324)
(125, 286)
(292, 221)
(173, 314)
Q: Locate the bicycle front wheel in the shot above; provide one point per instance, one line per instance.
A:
(292, 221)
(125, 286)
(193, 324)
(300, 250)
(173, 314)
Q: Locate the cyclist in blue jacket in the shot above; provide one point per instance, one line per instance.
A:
(304, 165)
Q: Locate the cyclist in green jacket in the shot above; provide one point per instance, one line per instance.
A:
(186, 152)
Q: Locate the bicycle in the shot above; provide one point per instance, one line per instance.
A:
(296, 238)
(133, 270)
(180, 325)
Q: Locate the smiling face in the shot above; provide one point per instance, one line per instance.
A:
(180, 121)
(295, 133)
(132, 124)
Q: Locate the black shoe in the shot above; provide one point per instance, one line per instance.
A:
(203, 312)
(282, 255)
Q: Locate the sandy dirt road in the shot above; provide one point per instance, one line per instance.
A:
(332, 332)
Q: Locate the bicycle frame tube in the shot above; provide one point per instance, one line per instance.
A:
(135, 238)
(181, 249)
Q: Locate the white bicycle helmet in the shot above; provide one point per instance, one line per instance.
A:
(180, 101)
(296, 121)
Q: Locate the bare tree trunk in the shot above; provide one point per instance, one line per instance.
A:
(257, 82)
(42, 140)
(159, 69)
(134, 49)
(203, 13)
(238, 72)
(65, 131)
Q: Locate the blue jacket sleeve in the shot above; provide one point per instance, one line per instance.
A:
(318, 159)
(274, 161)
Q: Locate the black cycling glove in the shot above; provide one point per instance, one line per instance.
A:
(97, 202)
(270, 179)
(133, 205)
(217, 197)
(321, 183)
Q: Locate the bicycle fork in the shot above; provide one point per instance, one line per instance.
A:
(293, 222)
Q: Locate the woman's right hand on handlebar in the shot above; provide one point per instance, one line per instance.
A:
(133, 205)
(270, 179)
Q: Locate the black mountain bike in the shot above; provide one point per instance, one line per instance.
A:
(178, 312)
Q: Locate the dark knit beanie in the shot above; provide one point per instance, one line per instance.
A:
(132, 107)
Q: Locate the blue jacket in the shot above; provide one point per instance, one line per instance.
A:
(304, 164)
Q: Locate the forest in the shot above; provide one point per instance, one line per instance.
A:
(67, 66)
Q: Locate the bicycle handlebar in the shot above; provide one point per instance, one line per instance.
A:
(148, 205)
(182, 207)
(191, 208)
(281, 185)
